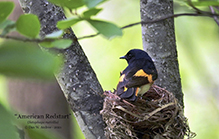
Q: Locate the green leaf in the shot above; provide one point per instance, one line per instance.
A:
(28, 25)
(67, 23)
(109, 30)
(55, 34)
(206, 3)
(8, 130)
(6, 23)
(46, 44)
(5, 10)
(93, 3)
(19, 59)
(91, 12)
(41, 134)
(7, 27)
(71, 4)
(62, 44)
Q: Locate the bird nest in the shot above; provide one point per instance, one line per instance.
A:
(157, 115)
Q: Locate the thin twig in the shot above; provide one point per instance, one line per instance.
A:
(127, 111)
(195, 8)
(27, 39)
(21, 39)
(88, 36)
(157, 20)
(215, 17)
(161, 19)
(158, 109)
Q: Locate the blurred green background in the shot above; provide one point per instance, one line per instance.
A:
(198, 47)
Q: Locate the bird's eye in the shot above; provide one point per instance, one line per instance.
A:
(129, 55)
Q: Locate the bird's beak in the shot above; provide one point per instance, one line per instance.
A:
(122, 57)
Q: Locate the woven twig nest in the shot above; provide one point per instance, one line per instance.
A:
(157, 115)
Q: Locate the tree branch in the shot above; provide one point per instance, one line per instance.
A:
(215, 17)
(155, 21)
(213, 14)
(26, 39)
(77, 79)
(195, 8)
(159, 41)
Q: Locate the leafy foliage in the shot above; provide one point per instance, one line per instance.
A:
(107, 29)
(206, 3)
(20, 59)
(9, 127)
(67, 23)
(28, 25)
(7, 26)
(61, 44)
(91, 12)
(93, 3)
(40, 134)
(71, 4)
(8, 130)
(5, 9)
(55, 34)
(200, 2)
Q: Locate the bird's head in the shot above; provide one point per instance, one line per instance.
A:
(135, 54)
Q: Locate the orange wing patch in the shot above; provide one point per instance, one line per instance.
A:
(121, 79)
(150, 78)
(141, 73)
(125, 89)
(136, 92)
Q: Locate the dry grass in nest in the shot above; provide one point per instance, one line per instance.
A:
(157, 115)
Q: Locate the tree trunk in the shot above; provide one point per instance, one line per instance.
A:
(159, 41)
(76, 79)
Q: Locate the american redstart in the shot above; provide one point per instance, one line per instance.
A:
(137, 78)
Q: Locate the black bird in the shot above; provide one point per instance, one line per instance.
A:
(138, 76)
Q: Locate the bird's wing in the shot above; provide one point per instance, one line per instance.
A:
(137, 74)
(150, 69)
(138, 79)
(129, 94)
